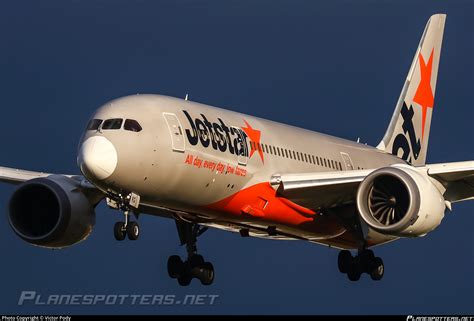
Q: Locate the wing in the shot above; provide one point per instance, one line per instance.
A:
(316, 190)
(457, 178)
(332, 189)
(17, 176)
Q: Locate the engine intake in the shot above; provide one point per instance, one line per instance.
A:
(400, 201)
(51, 212)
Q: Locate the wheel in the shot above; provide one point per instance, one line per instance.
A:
(364, 261)
(196, 260)
(353, 275)
(344, 259)
(354, 271)
(377, 269)
(184, 280)
(175, 266)
(119, 231)
(133, 230)
(206, 274)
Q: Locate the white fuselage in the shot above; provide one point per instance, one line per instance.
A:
(214, 166)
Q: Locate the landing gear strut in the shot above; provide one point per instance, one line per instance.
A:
(126, 228)
(364, 262)
(195, 266)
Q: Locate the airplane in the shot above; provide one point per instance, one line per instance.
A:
(205, 167)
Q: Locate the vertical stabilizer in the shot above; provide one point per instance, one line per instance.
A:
(409, 129)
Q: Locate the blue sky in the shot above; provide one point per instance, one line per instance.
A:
(332, 66)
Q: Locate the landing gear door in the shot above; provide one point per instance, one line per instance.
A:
(176, 132)
(347, 161)
(242, 153)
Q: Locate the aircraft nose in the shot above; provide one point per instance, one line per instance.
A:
(97, 157)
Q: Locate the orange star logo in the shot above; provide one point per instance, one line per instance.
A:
(424, 95)
(254, 136)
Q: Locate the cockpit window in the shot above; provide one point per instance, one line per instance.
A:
(114, 123)
(132, 125)
(94, 124)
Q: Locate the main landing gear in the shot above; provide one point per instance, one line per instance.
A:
(195, 266)
(364, 262)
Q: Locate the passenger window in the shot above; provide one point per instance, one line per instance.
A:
(132, 125)
(94, 124)
(114, 123)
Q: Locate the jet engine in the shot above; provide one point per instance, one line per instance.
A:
(51, 212)
(400, 201)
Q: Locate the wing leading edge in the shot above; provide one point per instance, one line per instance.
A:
(18, 176)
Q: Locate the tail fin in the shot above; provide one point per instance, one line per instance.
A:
(409, 129)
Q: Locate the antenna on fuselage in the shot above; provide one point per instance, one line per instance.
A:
(186, 98)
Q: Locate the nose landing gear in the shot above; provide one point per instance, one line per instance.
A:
(195, 266)
(126, 228)
(130, 229)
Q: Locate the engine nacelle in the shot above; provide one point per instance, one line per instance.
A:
(51, 212)
(400, 201)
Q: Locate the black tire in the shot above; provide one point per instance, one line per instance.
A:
(207, 274)
(344, 260)
(377, 269)
(175, 266)
(354, 272)
(133, 231)
(184, 280)
(119, 231)
(196, 260)
(353, 275)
